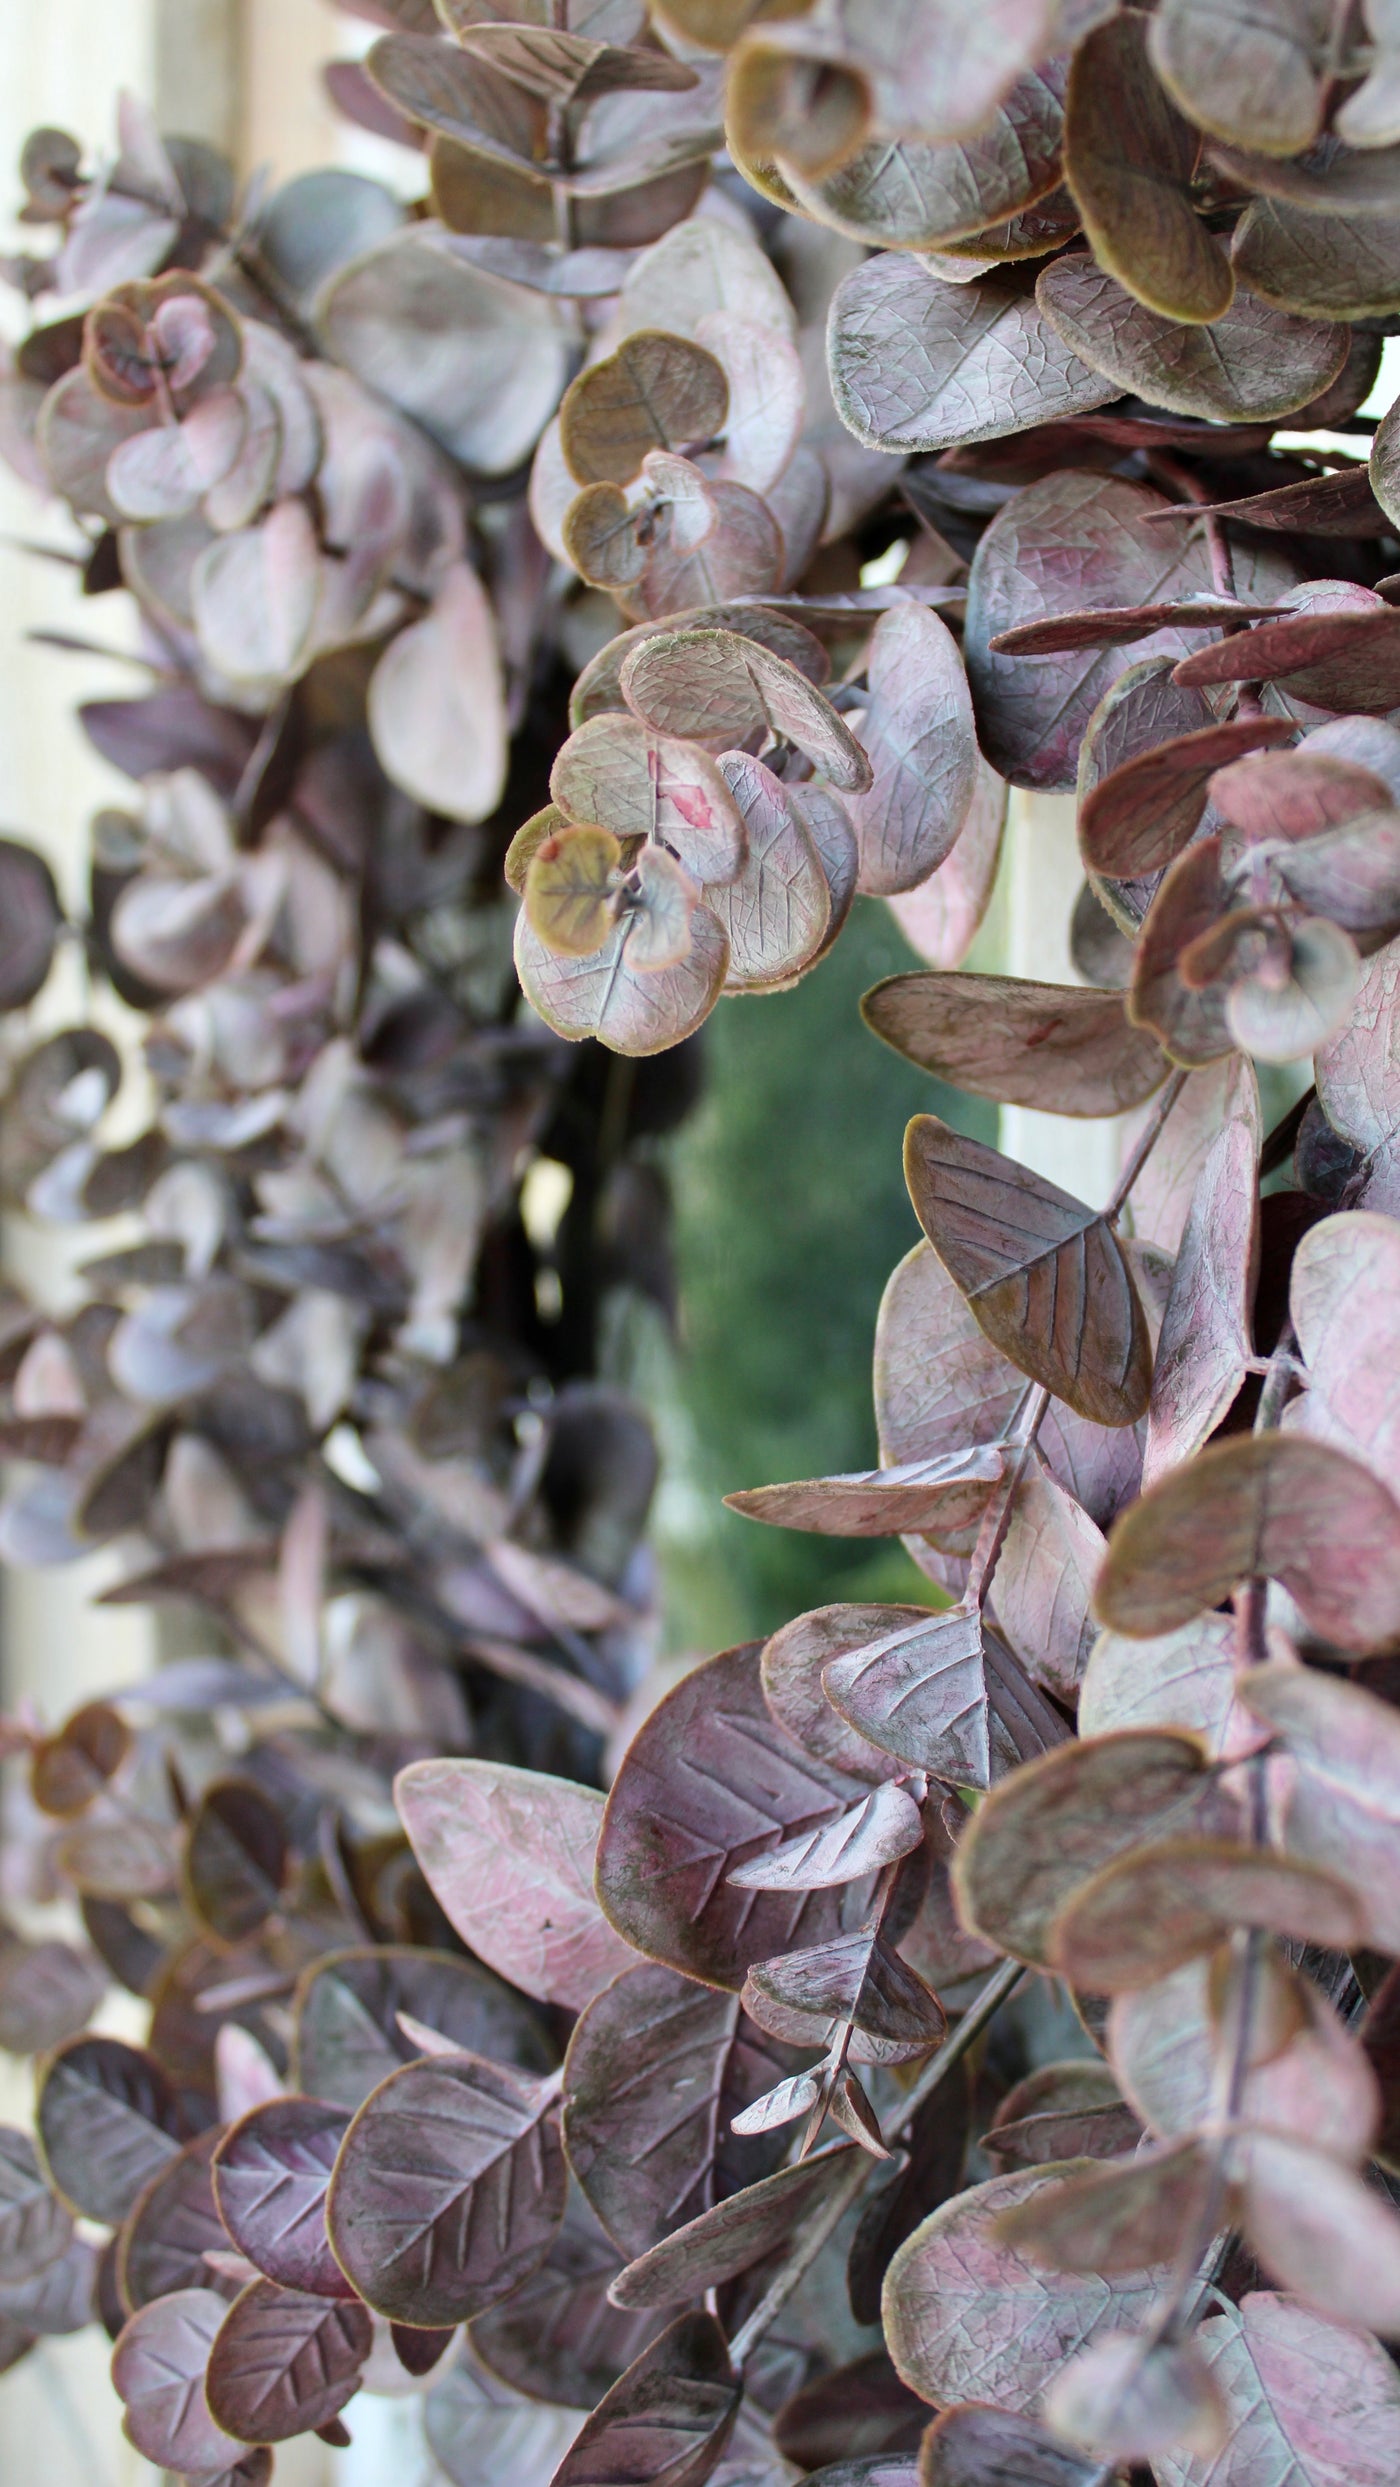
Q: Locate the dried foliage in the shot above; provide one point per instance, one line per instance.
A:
(710, 2107)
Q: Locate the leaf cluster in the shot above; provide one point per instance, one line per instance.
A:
(704, 2107)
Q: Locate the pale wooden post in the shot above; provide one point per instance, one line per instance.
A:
(1043, 878)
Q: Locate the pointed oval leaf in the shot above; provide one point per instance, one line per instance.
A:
(857, 1978)
(736, 2233)
(792, 1687)
(271, 2174)
(885, 1826)
(1061, 1048)
(1333, 659)
(709, 1780)
(667, 2420)
(509, 1854)
(938, 1498)
(448, 2188)
(1044, 1277)
(1274, 1505)
(921, 1691)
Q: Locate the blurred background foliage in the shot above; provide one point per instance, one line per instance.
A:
(791, 1212)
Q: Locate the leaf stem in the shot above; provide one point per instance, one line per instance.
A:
(999, 1986)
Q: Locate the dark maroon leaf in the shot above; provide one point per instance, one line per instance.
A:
(1060, 1048)
(170, 2228)
(709, 1781)
(669, 2418)
(30, 916)
(862, 2411)
(1044, 1277)
(557, 2337)
(1138, 815)
(975, 2445)
(284, 2364)
(347, 2007)
(235, 1860)
(1066, 543)
(735, 2234)
(936, 2144)
(1348, 660)
(34, 2225)
(1338, 503)
(270, 2180)
(448, 2189)
(108, 2121)
(657, 2069)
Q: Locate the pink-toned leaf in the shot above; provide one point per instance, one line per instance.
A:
(1271, 1504)
(509, 1854)
(964, 2313)
(1041, 1835)
(158, 2367)
(1158, 1906)
(1205, 1345)
(437, 703)
(1303, 2395)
